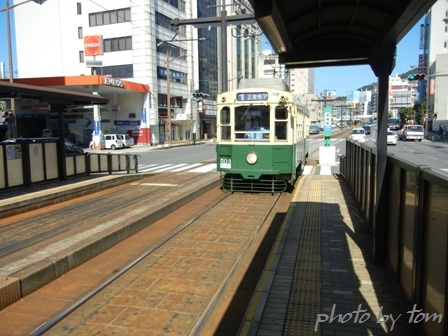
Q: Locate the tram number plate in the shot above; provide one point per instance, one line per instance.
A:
(225, 163)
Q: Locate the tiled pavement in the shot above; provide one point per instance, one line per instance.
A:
(320, 278)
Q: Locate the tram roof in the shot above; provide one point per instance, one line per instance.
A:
(312, 33)
(259, 83)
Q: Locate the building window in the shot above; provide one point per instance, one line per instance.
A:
(167, 48)
(81, 57)
(117, 71)
(164, 21)
(174, 101)
(78, 8)
(174, 3)
(110, 17)
(118, 44)
(176, 76)
(80, 34)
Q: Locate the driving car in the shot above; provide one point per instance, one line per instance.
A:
(358, 134)
(314, 129)
(412, 132)
(367, 128)
(391, 138)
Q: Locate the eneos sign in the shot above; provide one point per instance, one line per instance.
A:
(93, 45)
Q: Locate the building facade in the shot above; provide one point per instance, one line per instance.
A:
(432, 62)
(301, 82)
(138, 44)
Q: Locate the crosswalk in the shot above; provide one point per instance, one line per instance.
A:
(209, 167)
(320, 170)
(177, 168)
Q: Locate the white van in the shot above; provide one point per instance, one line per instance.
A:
(413, 132)
(127, 140)
(113, 141)
(358, 134)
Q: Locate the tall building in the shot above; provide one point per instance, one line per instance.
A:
(139, 45)
(432, 62)
(401, 94)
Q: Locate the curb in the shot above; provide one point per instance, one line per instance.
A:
(28, 280)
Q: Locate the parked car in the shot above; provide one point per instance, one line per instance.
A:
(113, 141)
(413, 132)
(71, 148)
(18, 140)
(358, 134)
(314, 129)
(391, 138)
(127, 140)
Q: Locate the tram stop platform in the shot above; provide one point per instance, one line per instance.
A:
(320, 278)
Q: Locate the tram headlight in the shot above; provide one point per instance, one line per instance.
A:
(251, 158)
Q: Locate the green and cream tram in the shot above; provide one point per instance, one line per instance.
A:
(262, 136)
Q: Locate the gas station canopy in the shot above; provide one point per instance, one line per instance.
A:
(49, 95)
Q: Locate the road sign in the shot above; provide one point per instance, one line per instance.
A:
(94, 64)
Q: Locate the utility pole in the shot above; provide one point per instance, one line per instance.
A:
(11, 71)
(221, 21)
(11, 80)
(168, 96)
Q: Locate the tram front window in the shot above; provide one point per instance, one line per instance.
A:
(252, 122)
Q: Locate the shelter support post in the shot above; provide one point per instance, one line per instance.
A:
(59, 109)
(382, 66)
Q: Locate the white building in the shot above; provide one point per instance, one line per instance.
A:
(139, 46)
(300, 81)
(432, 61)
(401, 94)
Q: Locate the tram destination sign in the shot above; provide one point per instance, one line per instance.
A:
(252, 96)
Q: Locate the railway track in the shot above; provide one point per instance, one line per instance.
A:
(44, 229)
(188, 266)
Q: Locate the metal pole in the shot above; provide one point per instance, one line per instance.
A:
(11, 80)
(224, 46)
(168, 95)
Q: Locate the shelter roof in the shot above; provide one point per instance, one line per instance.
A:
(316, 33)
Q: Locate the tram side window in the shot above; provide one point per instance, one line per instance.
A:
(281, 123)
(225, 123)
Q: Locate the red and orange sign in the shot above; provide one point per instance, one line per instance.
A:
(93, 45)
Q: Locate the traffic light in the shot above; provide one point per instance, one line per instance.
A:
(200, 95)
(415, 77)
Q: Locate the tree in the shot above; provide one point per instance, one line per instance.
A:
(419, 110)
(405, 115)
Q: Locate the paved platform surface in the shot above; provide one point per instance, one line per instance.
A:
(320, 278)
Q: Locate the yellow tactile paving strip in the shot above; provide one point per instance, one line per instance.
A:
(324, 272)
(304, 304)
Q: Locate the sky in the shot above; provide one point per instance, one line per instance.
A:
(342, 79)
